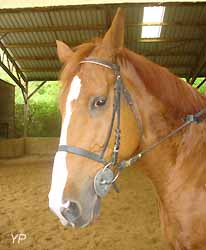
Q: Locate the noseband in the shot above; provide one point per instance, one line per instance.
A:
(107, 176)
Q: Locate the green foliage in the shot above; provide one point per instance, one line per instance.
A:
(48, 93)
(43, 118)
(202, 89)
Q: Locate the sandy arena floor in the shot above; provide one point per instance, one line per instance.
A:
(128, 221)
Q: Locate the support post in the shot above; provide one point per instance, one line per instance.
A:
(26, 110)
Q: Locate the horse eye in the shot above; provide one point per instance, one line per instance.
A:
(99, 101)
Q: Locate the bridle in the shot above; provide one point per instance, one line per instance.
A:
(107, 176)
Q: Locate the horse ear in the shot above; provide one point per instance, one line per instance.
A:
(114, 38)
(63, 51)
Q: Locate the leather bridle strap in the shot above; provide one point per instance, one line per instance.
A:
(81, 152)
(115, 113)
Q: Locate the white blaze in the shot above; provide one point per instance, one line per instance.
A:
(60, 173)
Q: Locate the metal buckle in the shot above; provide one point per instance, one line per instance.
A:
(107, 166)
(104, 179)
(191, 118)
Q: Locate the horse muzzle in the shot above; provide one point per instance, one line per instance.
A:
(72, 211)
(77, 217)
(76, 213)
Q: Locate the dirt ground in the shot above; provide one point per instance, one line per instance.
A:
(128, 221)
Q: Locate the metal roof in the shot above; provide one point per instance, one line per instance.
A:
(29, 35)
(9, 4)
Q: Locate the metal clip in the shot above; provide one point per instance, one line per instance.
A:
(191, 118)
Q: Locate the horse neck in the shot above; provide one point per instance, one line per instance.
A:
(156, 123)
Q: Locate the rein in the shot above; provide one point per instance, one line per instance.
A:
(106, 177)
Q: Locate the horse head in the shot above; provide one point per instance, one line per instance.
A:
(91, 125)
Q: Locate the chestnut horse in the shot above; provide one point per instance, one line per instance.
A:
(155, 103)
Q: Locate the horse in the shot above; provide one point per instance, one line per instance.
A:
(106, 89)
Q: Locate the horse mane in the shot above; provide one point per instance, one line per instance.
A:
(179, 97)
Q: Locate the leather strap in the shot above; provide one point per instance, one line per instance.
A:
(81, 152)
(101, 62)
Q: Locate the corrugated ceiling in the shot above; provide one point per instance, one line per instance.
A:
(30, 35)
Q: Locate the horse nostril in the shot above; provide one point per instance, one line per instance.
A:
(71, 213)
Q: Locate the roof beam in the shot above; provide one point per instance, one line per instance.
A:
(50, 9)
(57, 69)
(166, 40)
(8, 64)
(95, 27)
(36, 58)
(32, 79)
(169, 53)
(96, 7)
(174, 65)
(39, 79)
(30, 45)
(145, 53)
(51, 28)
(42, 69)
(12, 61)
(139, 40)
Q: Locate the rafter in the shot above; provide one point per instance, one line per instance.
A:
(42, 69)
(95, 7)
(96, 27)
(8, 64)
(30, 45)
(11, 61)
(35, 58)
(169, 53)
(140, 40)
(166, 40)
(32, 79)
(49, 8)
(51, 28)
(145, 53)
(57, 69)
(39, 79)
